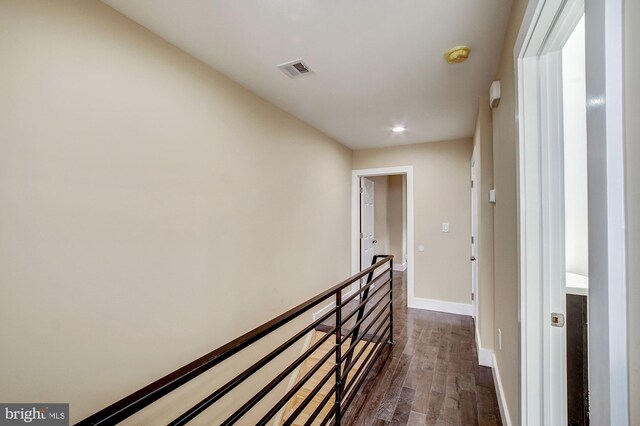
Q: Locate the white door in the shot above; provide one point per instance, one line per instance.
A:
(366, 223)
(474, 237)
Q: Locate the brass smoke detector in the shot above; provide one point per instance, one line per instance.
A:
(458, 54)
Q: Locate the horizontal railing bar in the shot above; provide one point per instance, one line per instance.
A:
(309, 397)
(366, 364)
(353, 344)
(361, 306)
(355, 360)
(356, 277)
(274, 410)
(280, 377)
(230, 385)
(366, 286)
(318, 409)
(363, 377)
(364, 318)
(140, 399)
(330, 415)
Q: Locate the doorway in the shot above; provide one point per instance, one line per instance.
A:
(382, 218)
(571, 213)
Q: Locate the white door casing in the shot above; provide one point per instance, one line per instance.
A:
(367, 236)
(541, 176)
(608, 338)
(547, 24)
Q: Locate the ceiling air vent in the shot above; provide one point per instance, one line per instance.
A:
(295, 69)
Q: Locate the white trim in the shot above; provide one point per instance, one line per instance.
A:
(541, 200)
(400, 267)
(608, 363)
(608, 345)
(485, 356)
(355, 220)
(326, 308)
(502, 400)
(442, 306)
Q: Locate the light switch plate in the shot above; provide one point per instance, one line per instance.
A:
(445, 227)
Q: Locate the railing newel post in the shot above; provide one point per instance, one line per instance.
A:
(391, 341)
(339, 384)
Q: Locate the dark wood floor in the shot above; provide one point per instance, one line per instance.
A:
(430, 377)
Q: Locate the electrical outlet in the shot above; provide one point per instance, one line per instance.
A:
(500, 339)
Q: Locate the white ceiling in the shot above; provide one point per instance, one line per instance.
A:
(376, 64)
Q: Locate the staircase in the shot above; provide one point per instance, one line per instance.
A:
(329, 374)
(308, 387)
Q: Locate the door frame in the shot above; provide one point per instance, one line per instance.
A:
(474, 236)
(355, 220)
(608, 364)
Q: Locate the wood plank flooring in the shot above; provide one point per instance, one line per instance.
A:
(431, 375)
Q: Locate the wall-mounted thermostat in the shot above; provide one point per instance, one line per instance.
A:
(492, 196)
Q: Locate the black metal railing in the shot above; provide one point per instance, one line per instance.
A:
(370, 307)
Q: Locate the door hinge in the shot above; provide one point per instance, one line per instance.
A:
(586, 405)
(472, 239)
(472, 184)
(473, 296)
(361, 235)
(361, 190)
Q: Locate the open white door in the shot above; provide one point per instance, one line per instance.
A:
(367, 237)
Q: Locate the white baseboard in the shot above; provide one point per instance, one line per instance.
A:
(485, 356)
(323, 310)
(332, 305)
(401, 267)
(441, 306)
(502, 401)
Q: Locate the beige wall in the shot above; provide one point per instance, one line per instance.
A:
(395, 218)
(632, 148)
(381, 224)
(441, 194)
(505, 220)
(146, 200)
(483, 142)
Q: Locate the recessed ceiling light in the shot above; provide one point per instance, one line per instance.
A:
(398, 129)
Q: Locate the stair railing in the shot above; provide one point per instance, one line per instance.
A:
(347, 302)
(364, 297)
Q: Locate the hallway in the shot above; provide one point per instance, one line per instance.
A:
(431, 376)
